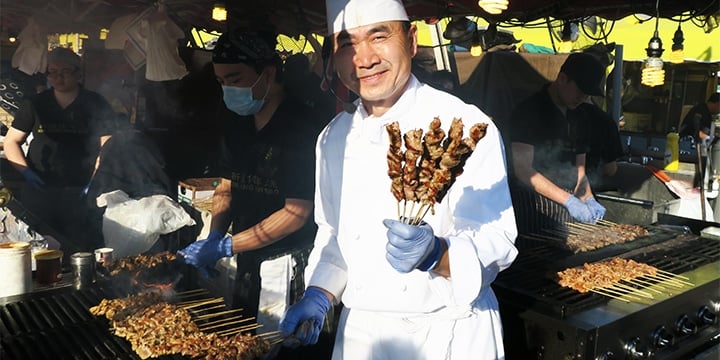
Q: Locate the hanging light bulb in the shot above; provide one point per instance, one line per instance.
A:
(493, 7)
(12, 38)
(566, 43)
(652, 71)
(219, 13)
(104, 33)
(677, 56)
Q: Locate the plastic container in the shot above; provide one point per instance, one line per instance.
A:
(672, 151)
(15, 267)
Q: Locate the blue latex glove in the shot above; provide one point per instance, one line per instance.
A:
(204, 254)
(216, 234)
(304, 319)
(597, 210)
(411, 247)
(33, 178)
(579, 210)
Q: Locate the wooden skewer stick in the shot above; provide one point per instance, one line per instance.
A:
(221, 320)
(673, 278)
(208, 316)
(418, 218)
(673, 275)
(584, 227)
(632, 290)
(619, 292)
(202, 303)
(191, 293)
(609, 295)
(603, 221)
(666, 281)
(220, 306)
(643, 284)
(238, 330)
(647, 284)
(223, 324)
(270, 333)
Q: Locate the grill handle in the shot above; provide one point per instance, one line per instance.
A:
(644, 203)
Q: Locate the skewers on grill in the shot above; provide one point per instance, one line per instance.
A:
(424, 172)
(155, 328)
(586, 237)
(611, 278)
(132, 264)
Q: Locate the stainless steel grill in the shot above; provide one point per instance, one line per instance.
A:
(543, 320)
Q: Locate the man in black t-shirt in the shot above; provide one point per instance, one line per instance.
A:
(267, 168)
(69, 124)
(550, 138)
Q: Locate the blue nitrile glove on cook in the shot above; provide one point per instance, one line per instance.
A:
(304, 320)
(203, 254)
(579, 210)
(33, 178)
(411, 247)
(597, 210)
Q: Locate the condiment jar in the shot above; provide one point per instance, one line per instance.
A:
(83, 269)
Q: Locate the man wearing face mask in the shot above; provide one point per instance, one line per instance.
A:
(267, 169)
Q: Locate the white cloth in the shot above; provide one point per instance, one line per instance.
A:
(161, 48)
(31, 55)
(349, 14)
(275, 278)
(353, 197)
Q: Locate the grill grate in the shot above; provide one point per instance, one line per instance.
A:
(58, 325)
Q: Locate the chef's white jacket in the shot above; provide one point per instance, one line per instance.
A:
(353, 197)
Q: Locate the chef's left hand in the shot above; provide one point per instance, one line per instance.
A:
(597, 210)
(411, 247)
(205, 253)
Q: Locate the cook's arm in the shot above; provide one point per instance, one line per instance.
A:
(522, 165)
(278, 225)
(221, 206)
(13, 148)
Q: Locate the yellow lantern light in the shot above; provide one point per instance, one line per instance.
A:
(493, 7)
(219, 12)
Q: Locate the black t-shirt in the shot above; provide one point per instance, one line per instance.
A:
(605, 145)
(556, 138)
(65, 141)
(268, 166)
(696, 120)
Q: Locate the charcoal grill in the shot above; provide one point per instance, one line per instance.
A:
(57, 325)
(543, 320)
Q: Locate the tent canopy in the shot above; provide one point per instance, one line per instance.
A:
(293, 17)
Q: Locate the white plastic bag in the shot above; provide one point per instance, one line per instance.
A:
(132, 226)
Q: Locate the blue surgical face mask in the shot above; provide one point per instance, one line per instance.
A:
(240, 99)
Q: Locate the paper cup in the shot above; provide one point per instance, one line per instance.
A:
(103, 254)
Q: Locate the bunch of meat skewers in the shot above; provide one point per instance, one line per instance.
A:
(155, 328)
(620, 278)
(425, 170)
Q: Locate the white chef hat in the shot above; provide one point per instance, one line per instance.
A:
(349, 14)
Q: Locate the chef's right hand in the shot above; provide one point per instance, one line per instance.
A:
(579, 210)
(304, 320)
(33, 178)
